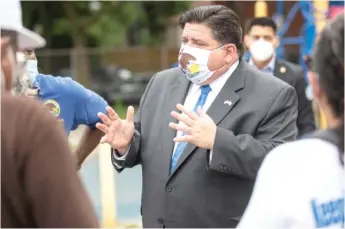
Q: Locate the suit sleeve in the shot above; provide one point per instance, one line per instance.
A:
(305, 118)
(241, 155)
(56, 194)
(132, 156)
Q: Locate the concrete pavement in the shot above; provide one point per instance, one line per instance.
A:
(116, 198)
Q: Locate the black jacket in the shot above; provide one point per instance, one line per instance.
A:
(293, 75)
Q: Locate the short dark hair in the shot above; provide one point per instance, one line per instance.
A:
(261, 21)
(224, 23)
(329, 65)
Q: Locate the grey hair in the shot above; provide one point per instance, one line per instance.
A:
(22, 82)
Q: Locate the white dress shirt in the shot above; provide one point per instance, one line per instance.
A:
(195, 92)
(299, 185)
(269, 68)
(193, 96)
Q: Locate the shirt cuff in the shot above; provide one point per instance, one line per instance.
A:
(117, 155)
(210, 156)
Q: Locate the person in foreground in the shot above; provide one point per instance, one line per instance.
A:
(71, 103)
(199, 171)
(39, 183)
(302, 184)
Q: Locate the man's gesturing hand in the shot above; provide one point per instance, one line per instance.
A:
(118, 132)
(199, 129)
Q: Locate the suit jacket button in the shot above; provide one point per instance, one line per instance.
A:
(168, 189)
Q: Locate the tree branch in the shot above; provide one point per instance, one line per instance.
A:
(71, 15)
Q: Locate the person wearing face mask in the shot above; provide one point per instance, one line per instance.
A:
(40, 186)
(31, 64)
(261, 39)
(301, 184)
(199, 166)
(71, 103)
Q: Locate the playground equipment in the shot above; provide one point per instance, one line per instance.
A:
(315, 15)
(308, 29)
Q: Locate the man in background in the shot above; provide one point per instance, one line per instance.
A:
(39, 183)
(261, 39)
(71, 103)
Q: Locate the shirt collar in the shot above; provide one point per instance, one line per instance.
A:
(218, 84)
(269, 68)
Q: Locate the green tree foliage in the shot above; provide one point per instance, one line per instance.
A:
(116, 23)
(82, 24)
(156, 18)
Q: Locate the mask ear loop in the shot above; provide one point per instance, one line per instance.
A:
(218, 48)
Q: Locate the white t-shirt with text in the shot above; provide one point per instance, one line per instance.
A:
(299, 185)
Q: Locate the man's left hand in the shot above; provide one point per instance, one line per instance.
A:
(199, 128)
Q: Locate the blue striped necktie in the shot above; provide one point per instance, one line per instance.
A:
(205, 90)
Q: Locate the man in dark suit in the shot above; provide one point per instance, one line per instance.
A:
(199, 172)
(261, 39)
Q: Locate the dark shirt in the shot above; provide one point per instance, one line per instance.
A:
(40, 186)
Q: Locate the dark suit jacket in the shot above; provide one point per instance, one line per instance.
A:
(293, 75)
(200, 193)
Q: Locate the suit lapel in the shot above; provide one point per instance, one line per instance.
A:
(222, 105)
(176, 94)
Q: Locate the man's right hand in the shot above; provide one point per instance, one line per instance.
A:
(118, 132)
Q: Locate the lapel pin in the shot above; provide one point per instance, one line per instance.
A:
(282, 69)
(228, 102)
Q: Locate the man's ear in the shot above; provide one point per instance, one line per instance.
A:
(230, 51)
(277, 42)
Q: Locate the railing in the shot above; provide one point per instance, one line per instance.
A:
(135, 59)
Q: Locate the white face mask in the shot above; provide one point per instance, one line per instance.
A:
(31, 67)
(261, 50)
(195, 65)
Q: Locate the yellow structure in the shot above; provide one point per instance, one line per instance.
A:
(260, 9)
(107, 187)
(319, 116)
(320, 14)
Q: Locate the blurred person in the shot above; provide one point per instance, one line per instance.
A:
(200, 172)
(302, 184)
(319, 116)
(39, 183)
(71, 103)
(262, 40)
